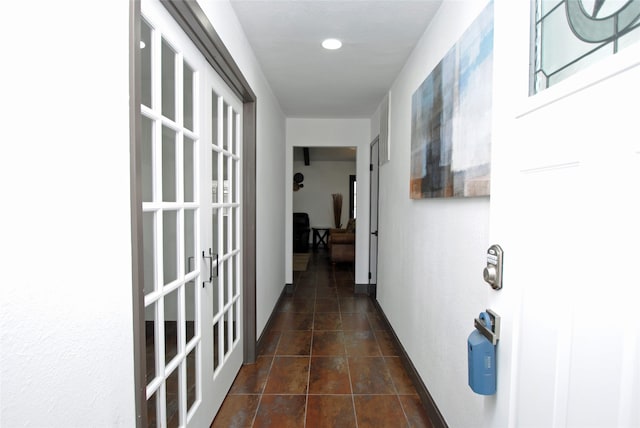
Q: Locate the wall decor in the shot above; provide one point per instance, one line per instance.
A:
(451, 115)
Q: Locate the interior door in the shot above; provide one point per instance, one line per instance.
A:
(373, 212)
(191, 218)
(223, 186)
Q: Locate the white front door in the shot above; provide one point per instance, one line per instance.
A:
(565, 207)
(191, 180)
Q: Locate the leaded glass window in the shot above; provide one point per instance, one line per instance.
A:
(569, 35)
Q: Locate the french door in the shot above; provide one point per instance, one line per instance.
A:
(191, 180)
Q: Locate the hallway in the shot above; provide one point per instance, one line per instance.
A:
(327, 360)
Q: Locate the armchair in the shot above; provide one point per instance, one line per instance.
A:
(342, 244)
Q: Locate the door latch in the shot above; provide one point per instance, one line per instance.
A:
(493, 272)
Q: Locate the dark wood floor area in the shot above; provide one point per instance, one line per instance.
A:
(326, 360)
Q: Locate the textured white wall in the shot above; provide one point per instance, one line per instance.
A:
(431, 251)
(332, 133)
(321, 179)
(270, 164)
(66, 324)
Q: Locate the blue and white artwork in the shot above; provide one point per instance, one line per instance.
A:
(451, 119)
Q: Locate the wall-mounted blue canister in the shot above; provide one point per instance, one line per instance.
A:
(482, 362)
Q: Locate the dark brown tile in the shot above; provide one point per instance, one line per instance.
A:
(252, 377)
(305, 279)
(304, 292)
(328, 343)
(282, 411)
(297, 304)
(361, 344)
(330, 411)
(377, 321)
(379, 411)
(327, 321)
(295, 342)
(326, 292)
(345, 291)
(356, 304)
(292, 321)
(237, 411)
(355, 321)
(327, 305)
(269, 342)
(415, 411)
(399, 376)
(288, 375)
(329, 375)
(347, 284)
(342, 273)
(387, 343)
(369, 375)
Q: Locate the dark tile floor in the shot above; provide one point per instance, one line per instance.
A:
(327, 360)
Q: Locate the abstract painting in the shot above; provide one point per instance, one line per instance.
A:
(451, 119)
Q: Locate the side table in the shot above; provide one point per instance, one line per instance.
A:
(320, 237)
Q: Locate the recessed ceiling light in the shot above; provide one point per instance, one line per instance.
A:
(142, 44)
(332, 44)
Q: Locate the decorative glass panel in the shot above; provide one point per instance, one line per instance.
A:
(188, 75)
(190, 240)
(152, 411)
(191, 379)
(225, 179)
(228, 275)
(173, 397)
(225, 126)
(214, 119)
(227, 327)
(170, 246)
(145, 61)
(168, 165)
(146, 137)
(216, 345)
(168, 81)
(214, 176)
(236, 322)
(150, 341)
(570, 35)
(190, 309)
(216, 229)
(189, 169)
(171, 310)
(148, 249)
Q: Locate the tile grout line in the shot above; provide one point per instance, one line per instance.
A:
(313, 325)
(346, 356)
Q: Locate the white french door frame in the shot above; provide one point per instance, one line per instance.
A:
(192, 19)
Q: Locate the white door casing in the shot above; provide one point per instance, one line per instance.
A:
(191, 138)
(373, 213)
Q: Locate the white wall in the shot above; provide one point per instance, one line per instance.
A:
(431, 251)
(321, 180)
(66, 354)
(270, 210)
(332, 133)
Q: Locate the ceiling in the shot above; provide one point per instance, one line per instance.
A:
(309, 81)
